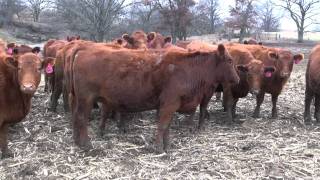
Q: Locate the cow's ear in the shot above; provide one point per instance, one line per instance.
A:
(128, 38)
(119, 41)
(36, 50)
(297, 58)
(243, 68)
(48, 60)
(78, 37)
(11, 62)
(15, 51)
(221, 50)
(273, 55)
(151, 36)
(168, 39)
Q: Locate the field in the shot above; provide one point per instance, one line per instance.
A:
(261, 148)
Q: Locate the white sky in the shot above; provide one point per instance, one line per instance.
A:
(286, 23)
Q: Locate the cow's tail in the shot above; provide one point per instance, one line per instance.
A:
(71, 76)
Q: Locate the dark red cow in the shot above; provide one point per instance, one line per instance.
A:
(313, 86)
(138, 80)
(19, 79)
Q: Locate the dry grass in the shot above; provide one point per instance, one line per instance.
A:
(257, 149)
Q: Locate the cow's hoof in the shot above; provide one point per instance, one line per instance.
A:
(159, 149)
(86, 146)
(256, 115)
(100, 133)
(7, 154)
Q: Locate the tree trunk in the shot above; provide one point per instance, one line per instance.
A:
(242, 33)
(100, 36)
(300, 35)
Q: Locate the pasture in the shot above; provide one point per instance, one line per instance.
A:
(261, 148)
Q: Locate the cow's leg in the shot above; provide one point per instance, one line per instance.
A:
(4, 142)
(166, 112)
(80, 119)
(228, 99)
(309, 95)
(122, 119)
(105, 113)
(46, 83)
(234, 107)
(218, 96)
(274, 105)
(66, 105)
(260, 98)
(204, 114)
(317, 108)
(57, 90)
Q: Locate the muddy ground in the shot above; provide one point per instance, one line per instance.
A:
(261, 148)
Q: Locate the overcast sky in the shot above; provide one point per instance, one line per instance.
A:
(286, 22)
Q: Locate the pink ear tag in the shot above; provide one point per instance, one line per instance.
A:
(49, 69)
(268, 74)
(10, 51)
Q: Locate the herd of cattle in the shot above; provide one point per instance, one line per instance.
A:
(141, 72)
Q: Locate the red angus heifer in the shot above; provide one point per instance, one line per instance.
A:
(157, 41)
(137, 80)
(313, 85)
(281, 63)
(19, 79)
(248, 69)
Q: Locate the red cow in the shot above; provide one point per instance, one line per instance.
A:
(249, 71)
(279, 63)
(313, 85)
(137, 80)
(19, 79)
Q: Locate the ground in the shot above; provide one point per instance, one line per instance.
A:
(257, 149)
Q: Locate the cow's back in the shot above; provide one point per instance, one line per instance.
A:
(313, 73)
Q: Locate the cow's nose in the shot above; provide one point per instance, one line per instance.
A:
(28, 88)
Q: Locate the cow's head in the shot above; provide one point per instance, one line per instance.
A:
(254, 73)
(36, 50)
(73, 38)
(157, 41)
(225, 71)
(28, 67)
(134, 42)
(284, 61)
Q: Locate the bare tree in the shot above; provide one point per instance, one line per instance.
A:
(302, 12)
(93, 17)
(37, 6)
(209, 11)
(9, 8)
(269, 21)
(176, 16)
(243, 16)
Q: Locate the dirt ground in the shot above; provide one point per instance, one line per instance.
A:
(257, 149)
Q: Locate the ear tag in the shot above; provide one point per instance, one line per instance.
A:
(49, 69)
